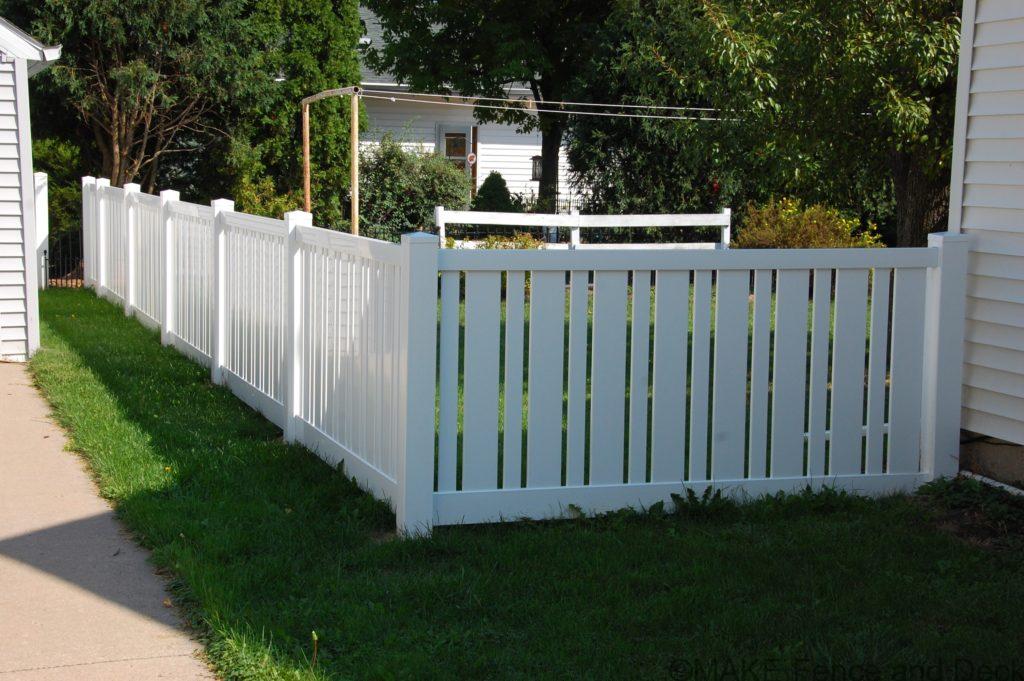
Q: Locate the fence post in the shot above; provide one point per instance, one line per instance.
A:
(727, 229)
(414, 508)
(220, 206)
(439, 221)
(945, 307)
(166, 196)
(101, 235)
(88, 230)
(131, 213)
(574, 232)
(293, 324)
(42, 245)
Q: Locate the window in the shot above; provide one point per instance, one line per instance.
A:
(456, 143)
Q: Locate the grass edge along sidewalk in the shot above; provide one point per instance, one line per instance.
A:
(267, 544)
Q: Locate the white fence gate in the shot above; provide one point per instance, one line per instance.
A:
(477, 386)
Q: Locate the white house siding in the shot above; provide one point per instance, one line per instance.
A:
(499, 147)
(988, 189)
(15, 296)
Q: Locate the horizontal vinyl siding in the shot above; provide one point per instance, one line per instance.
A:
(499, 147)
(993, 213)
(13, 323)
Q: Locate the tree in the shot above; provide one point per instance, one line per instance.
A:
(483, 48)
(312, 47)
(845, 102)
(143, 76)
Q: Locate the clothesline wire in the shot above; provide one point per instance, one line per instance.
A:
(548, 102)
(607, 114)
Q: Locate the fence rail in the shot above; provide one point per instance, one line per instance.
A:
(473, 386)
(576, 223)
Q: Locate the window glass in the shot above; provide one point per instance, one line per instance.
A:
(455, 145)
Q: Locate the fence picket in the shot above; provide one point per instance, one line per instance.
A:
(906, 373)
(788, 375)
(700, 368)
(544, 399)
(480, 392)
(730, 383)
(847, 422)
(608, 379)
(668, 419)
(817, 388)
(579, 306)
(759, 358)
(448, 387)
(640, 350)
(512, 453)
(879, 348)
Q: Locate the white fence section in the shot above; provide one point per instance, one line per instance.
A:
(575, 223)
(477, 386)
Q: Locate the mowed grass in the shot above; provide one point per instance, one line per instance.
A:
(265, 544)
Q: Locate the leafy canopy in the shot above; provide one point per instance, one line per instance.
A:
(485, 48)
(847, 102)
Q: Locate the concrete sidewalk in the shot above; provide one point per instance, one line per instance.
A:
(78, 600)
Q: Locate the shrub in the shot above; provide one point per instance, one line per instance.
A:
(518, 241)
(786, 223)
(400, 189)
(494, 196)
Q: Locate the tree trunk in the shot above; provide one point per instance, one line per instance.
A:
(922, 198)
(552, 127)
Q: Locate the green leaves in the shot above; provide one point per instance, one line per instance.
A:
(820, 100)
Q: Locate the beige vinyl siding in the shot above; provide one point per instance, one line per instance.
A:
(499, 147)
(992, 212)
(13, 318)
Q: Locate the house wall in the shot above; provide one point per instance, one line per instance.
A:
(499, 147)
(987, 201)
(19, 324)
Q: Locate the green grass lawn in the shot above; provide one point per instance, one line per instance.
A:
(266, 544)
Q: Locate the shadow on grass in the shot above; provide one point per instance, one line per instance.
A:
(267, 544)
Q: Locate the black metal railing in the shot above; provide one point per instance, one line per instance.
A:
(64, 261)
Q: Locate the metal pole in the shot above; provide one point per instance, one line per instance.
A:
(305, 157)
(354, 162)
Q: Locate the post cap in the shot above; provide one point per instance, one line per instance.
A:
(219, 205)
(170, 195)
(103, 181)
(132, 187)
(88, 179)
(299, 217)
(943, 238)
(420, 239)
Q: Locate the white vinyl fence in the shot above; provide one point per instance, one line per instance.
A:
(476, 386)
(576, 223)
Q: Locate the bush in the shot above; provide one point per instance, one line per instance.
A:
(518, 241)
(400, 189)
(494, 196)
(786, 223)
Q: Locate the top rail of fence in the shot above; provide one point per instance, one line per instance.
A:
(192, 210)
(256, 223)
(374, 249)
(630, 259)
(470, 217)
